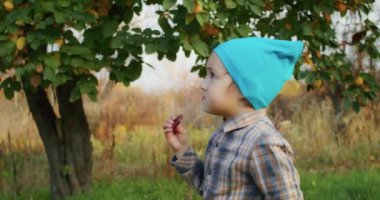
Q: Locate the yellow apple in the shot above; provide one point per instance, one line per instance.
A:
(317, 84)
(8, 5)
(359, 81)
(60, 42)
(20, 42)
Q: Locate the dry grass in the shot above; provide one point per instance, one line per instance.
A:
(128, 138)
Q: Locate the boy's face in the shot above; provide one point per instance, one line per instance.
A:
(218, 98)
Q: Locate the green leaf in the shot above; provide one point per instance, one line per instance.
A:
(63, 3)
(93, 95)
(325, 76)
(307, 30)
(163, 22)
(202, 18)
(310, 78)
(317, 8)
(195, 68)
(128, 15)
(10, 85)
(202, 72)
(244, 30)
(167, 4)
(86, 88)
(255, 9)
(117, 41)
(76, 50)
(52, 62)
(164, 45)
(75, 94)
(109, 28)
(9, 93)
(49, 74)
(61, 79)
(20, 71)
(356, 106)
(150, 48)
(230, 4)
(200, 47)
(189, 5)
(60, 17)
(260, 3)
(171, 56)
(7, 48)
(3, 38)
(186, 45)
(86, 85)
(134, 70)
(77, 62)
(48, 5)
(30, 67)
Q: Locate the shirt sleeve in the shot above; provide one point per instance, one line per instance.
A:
(271, 165)
(190, 167)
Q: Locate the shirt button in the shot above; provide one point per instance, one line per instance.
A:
(216, 144)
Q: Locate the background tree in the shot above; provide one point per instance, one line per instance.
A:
(29, 28)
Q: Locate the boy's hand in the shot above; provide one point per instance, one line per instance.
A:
(176, 135)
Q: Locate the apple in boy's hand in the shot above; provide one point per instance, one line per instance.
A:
(177, 120)
(176, 135)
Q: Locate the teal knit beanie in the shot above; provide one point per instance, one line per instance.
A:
(259, 66)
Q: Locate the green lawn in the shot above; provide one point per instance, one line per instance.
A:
(343, 185)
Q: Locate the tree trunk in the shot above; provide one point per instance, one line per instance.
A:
(77, 137)
(66, 140)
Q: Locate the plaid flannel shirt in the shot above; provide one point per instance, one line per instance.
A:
(246, 158)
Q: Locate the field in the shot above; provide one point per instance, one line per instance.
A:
(342, 185)
(131, 157)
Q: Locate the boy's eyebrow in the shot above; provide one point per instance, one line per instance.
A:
(215, 71)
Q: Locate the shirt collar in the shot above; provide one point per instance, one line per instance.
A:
(243, 120)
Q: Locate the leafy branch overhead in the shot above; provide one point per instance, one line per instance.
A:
(29, 28)
(201, 25)
(38, 44)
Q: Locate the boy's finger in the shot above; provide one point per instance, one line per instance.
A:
(169, 121)
(170, 136)
(167, 126)
(168, 130)
(180, 128)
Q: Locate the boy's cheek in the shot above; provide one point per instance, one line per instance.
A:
(207, 104)
(211, 105)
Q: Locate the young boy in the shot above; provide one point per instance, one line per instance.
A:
(246, 157)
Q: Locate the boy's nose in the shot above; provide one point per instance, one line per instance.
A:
(203, 85)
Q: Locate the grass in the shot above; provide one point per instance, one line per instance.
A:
(333, 165)
(358, 185)
(344, 185)
(139, 188)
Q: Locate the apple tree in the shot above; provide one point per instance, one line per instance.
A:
(28, 28)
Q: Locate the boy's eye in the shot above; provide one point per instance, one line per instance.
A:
(212, 75)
